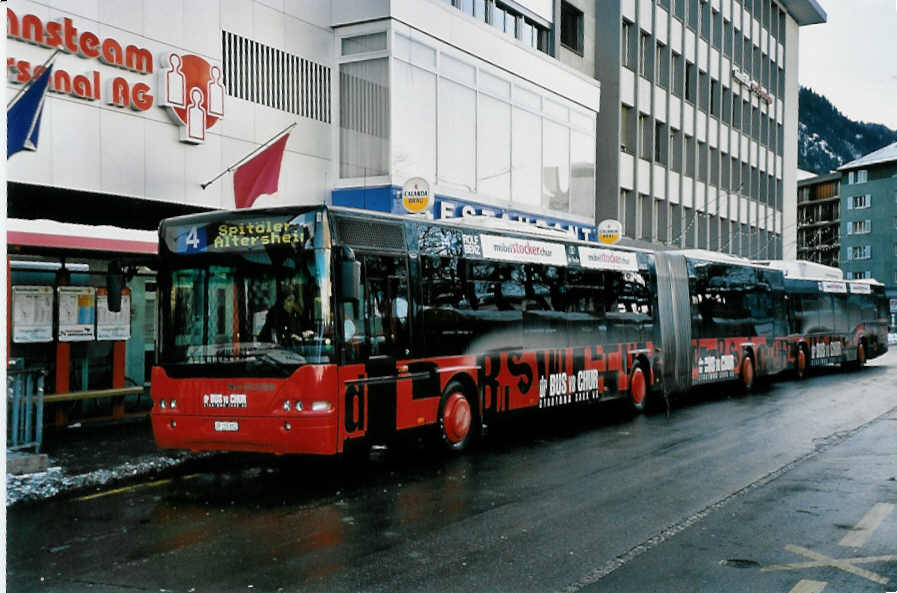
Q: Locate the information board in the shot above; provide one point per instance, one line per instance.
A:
(77, 313)
(32, 314)
(113, 326)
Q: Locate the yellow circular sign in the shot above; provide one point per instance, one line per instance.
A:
(610, 231)
(416, 196)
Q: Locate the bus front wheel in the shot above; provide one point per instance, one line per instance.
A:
(455, 418)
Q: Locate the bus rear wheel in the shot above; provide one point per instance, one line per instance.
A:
(638, 388)
(747, 373)
(800, 369)
(455, 418)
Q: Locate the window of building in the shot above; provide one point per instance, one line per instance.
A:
(645, 54)
(859, 227)
(689, 156)
(661, 68)
(627, 139)
(640, 219)
(627, 213)
(677, 8)
(859, 202)
(364, 118)
(571, 28)
(627, 41)
(862, 176)
(736, 109)
(717, 29)
(702, 161)
(691, 82)
(703, 92)
(644, 132)
(675, 151)
(714, 98)
(660, 146)
(704, 16)
(864, 275)
(677, 74)
(693, 14)
(860, 252)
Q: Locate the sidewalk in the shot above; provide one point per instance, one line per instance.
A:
(88, 456)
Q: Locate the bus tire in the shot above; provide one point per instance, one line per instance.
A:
(638, 388)
(455, 418)
(800, 367)
(748, 377)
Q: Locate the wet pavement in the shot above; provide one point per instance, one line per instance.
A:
(92, 456)
(729, 493)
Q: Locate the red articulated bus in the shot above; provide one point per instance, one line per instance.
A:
(309, 330)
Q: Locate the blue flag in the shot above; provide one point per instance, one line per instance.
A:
(23, 117)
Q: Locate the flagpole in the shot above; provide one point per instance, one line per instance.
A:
(33, 78)
(248, 156)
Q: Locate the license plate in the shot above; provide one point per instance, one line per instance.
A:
(223, 426)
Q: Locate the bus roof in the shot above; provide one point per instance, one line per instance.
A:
(482, 223)
(804, 269)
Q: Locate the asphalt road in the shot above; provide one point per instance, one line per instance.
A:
(792, 489)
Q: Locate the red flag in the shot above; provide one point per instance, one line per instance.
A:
(259, 175)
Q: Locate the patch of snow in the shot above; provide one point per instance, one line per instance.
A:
(33, 487)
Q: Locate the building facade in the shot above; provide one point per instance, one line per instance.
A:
(869, 220)
(697, 139)
(494, 104)
(819, 219)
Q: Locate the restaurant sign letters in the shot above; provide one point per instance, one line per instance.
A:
(189, 88)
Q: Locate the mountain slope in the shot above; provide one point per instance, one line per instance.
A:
(826, 138)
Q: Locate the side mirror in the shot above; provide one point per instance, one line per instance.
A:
(115, 280)
(350, 281)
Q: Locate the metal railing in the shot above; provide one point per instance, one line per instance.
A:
(25, 408)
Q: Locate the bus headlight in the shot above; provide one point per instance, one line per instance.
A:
(173, 404)
(163, 404)
(299, 405)
(286, 405)
(321, 406)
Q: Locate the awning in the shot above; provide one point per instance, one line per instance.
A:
(80, 237)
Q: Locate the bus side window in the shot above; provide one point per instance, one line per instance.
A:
(385, 280)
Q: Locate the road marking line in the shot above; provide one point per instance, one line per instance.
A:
(134, 487)
(860, 534)
(807, 586)
(845, 564)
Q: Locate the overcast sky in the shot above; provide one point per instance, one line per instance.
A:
(852, 59)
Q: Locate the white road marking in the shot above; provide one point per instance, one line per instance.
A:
(845, 564)
(860, 534)
(807, 586)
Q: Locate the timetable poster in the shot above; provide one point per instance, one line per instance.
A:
(113, 326)
(32, 314)
(77, 313)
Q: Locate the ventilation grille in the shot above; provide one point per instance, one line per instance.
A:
(372, 235)
(271, 77)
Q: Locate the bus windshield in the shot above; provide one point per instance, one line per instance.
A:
(257, 313)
